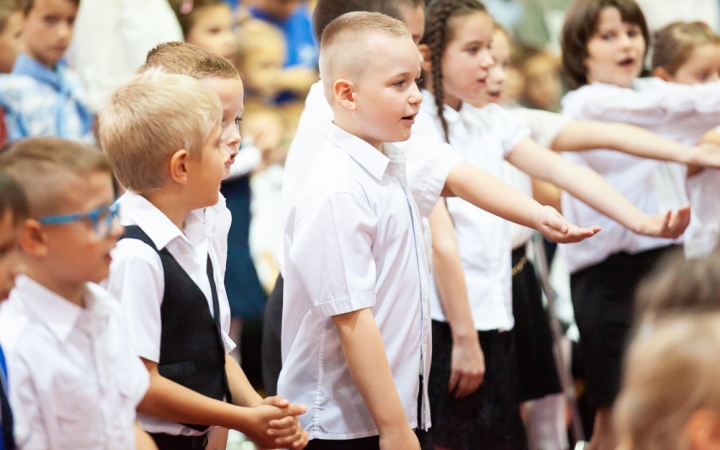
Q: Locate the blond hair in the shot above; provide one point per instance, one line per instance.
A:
(149, 118)
(670, 373)
(253, 35)
(187, 59)
(344, 50)
(674, 44)
(42, 166)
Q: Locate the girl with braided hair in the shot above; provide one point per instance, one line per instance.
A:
(456, 63)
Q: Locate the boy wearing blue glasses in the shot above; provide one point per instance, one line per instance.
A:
(74, 380)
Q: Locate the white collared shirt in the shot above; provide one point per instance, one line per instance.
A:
(137, 279)
(353, 240)
(484, 137)
(428, 165)
(675, 111)
(74, 380)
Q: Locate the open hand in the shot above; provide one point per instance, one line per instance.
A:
(557, 228)
(670, 224)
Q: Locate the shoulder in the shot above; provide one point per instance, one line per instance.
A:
(17, 86)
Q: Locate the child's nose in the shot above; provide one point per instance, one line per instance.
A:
(487, 60)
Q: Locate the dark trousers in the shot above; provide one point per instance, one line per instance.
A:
(272, 329)
(169, 442)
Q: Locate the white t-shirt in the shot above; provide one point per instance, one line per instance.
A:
(353, 240)
(137, 278)
(484, 137)
(75, 381)
(428, 165)
(675, 111)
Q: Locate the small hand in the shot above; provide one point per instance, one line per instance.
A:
(705, 155)
(277, 426)
(467, 367)
(667, 225)
(557, 228)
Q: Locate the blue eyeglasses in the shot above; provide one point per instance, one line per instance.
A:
(102, 219)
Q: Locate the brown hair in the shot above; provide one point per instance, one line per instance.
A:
(149, 118)
(188, 59)
(438, 33)
(7, 8)
(41, 166)
(677, 286)
(674, 43)
(187, 19)
(670, 373)
(328, 10)
(27, 5)
(12, 200)
(581, 22)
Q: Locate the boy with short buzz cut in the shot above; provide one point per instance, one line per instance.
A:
(356, 310)
(164, 267)
(74, 380)
(42, 97)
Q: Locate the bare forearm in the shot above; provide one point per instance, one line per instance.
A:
(711, 137)
(367, 362)
(243, 394)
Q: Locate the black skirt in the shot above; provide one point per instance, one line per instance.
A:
(537, 372)
(489, 418)
(603, 299)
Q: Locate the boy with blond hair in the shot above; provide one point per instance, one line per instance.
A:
(164, 268)
(74, 380)
(41, 96)
(356, 310)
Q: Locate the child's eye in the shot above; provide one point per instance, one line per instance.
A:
(473, 50)
(50, 20)
(633, 33)
(607, 36)
(703, 76)
(400, 83)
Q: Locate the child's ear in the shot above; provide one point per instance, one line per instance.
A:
(702, 430)
(179, 166)
(661, 73)
(426, 54)
(344, 93)
(32, 239)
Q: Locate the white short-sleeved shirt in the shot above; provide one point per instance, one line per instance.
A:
(353, 240)
(428, 165)
(484, 137)
(75, 381)
(675, 111)
(137, 279)
(544, 128)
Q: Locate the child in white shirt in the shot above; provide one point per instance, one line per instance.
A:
(74, 380)
(356, 310)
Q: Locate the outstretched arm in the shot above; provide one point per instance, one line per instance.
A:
(467, 360)
(589, 135)
(490, 193)
(368, 364)
(591, 188)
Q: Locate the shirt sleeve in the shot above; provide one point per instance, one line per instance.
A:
(137, 280)
(30, 432)
(428, 166)
(544, 126)
(331, 255)
(508, 127)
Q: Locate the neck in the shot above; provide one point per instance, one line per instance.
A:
(170, 205)
(71, 291)
(348, 125)
(454, 103)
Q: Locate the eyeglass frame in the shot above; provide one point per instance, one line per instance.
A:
(93, 215)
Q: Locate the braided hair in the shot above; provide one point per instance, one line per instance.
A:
(437, 35)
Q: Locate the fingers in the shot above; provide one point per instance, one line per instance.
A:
(297, 436)
(281, 424)
(296, 409)
(454, 378)
(276, 401)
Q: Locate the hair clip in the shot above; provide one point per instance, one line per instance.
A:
(704, 25)
(186, 7)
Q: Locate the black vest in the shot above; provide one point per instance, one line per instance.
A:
(191, 346)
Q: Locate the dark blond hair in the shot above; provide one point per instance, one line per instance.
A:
(42, 165)
(581, 22)
(7, 8)
(27, 5)
(149, 118)
(675, 42)
(187, 59)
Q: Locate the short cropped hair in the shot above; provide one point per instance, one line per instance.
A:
(27, 5)
(328, 10)
(581, 22)
(12, 200)
(187, 59)
(343, 48)
(42, 166)
(680, 286)
(670, 373)
(675, 42)
(150, 117)
(7, 8)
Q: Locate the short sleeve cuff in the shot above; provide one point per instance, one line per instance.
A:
(345, 305)
(228, 343)
(446, 160)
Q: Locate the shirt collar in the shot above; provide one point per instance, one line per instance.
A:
(26, 65)
(365, 154)
(137, 210)
(57, 313)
